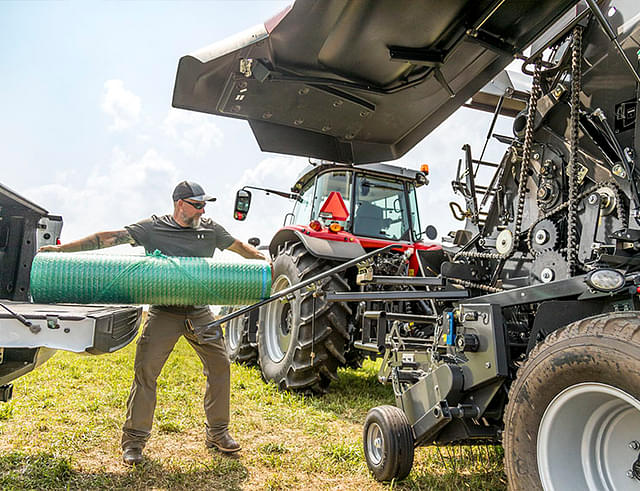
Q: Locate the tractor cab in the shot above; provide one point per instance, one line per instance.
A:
(373, 202)
(377, 201)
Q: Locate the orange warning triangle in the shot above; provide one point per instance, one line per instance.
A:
(335, 206)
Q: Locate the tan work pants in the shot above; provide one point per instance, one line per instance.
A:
(160, 334)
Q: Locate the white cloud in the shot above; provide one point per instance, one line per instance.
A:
(110, 196)
(441, 150)
(121, 104)
(267, 212)
(194, 132)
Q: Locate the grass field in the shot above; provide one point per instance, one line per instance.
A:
(62, 430)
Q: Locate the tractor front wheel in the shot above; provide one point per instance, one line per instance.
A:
(295, 351)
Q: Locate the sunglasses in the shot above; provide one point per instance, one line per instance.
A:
(197, 206)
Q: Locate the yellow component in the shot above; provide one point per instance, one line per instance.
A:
(412, 272)
(424, 168)
(335, 227)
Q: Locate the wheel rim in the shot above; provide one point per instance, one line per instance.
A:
(234, 333)
(375, 443)
(586, 439)
(279, 323)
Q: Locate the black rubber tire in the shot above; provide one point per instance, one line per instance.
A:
(395, 457)
(295, 371)
(604, 349)
(241, 350)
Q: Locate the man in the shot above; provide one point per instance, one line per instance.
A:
(185, 233)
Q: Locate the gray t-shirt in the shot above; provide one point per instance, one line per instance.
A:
(164, 234)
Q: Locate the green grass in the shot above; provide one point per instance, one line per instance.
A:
(62, 431)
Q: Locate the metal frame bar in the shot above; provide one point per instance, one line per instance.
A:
(395, 295)
(536, 293)
(407, 280)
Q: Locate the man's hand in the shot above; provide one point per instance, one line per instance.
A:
(247, 251)
(50, 248)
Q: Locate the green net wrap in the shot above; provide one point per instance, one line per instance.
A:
(153, 279)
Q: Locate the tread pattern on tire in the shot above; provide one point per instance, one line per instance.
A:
(246, 353)
(400, 448)
(330, 338)
(620, 331)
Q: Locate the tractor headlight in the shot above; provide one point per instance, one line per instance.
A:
(605, 280)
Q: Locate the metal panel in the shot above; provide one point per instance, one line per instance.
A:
(361, 81)
(490, 360)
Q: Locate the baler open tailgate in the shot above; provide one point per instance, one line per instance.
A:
(359, 81)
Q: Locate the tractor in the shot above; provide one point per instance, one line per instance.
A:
(340, 213)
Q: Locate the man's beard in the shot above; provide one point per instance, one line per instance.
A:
(195, 221)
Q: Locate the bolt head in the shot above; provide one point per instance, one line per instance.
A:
(630, 474)
(546, 275)
(634, 445)
(541, 237)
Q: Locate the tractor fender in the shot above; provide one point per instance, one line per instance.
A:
(325, 249)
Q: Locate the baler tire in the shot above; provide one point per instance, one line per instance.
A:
(574, 407)
(388, 443)
(285, 331)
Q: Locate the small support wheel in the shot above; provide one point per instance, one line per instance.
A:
(388, 443)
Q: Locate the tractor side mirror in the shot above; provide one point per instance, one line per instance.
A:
(431, 232)
(243, 202)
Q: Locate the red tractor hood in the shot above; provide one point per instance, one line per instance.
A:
(359, 81)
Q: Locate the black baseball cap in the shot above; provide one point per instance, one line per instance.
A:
(191, 190)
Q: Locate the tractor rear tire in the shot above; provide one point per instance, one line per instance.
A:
(239, 348)
(287, 335)
(388, 443)
(573, 416)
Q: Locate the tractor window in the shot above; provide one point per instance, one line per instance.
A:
(339, 181)
(302, 210)
(380, 209)
(413, 211)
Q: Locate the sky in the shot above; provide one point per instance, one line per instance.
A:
(88, 131)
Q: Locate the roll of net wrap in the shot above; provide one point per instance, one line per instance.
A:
(152, 279)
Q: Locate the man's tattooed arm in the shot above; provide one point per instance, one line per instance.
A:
(98, 240)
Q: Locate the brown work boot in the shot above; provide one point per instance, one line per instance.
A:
(132, 456)
(223, 442)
